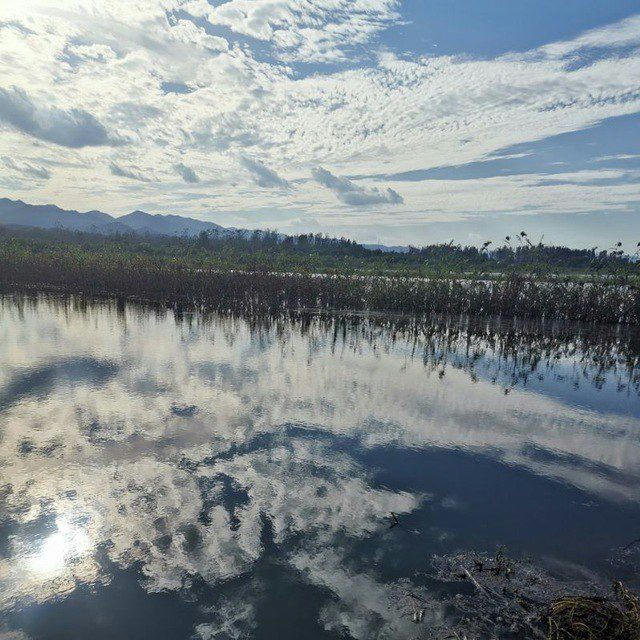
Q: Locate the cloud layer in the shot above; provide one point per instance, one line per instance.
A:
(252, 98)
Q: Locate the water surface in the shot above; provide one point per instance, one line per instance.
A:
(188, 476)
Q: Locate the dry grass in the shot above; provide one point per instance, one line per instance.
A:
(595, 618)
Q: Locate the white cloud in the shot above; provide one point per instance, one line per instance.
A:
(233, 620)
(310, 30)
(350, 193)
(362, 603)
(620, 34)
(187, 173)
(263, 176)
(80, 78)
(133, 173)
(67, 127)
(27, 169)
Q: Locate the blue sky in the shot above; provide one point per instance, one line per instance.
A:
(409, 121)
(487, 28)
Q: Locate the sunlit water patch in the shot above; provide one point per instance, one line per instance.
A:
(189, 476)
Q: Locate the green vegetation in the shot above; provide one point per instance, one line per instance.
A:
(264, 273)
(267, 251)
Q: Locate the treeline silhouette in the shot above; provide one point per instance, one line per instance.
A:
(262, 274)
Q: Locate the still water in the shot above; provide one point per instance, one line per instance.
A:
(206, 477)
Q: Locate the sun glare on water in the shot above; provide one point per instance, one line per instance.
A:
(60, 549)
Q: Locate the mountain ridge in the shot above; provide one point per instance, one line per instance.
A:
(17, 213)
(50, 216)
(170, 224)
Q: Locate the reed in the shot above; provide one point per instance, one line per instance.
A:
(165, 277)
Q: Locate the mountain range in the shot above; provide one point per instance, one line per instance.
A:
(16, 213)
(48, 216)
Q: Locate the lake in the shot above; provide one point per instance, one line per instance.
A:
(187, 476)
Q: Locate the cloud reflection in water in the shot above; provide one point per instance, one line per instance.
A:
(104, 461)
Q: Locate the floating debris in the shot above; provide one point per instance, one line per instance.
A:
(519, 599)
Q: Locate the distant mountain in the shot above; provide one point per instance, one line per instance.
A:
(48, 216)
(387, 248)
(170, 225)
(18, 213)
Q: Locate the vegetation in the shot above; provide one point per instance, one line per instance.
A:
(595, 617)
(315, 253)
(266, 273)
(521, 598)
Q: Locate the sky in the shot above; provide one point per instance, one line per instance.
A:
(400, 122)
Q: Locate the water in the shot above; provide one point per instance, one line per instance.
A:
(167, 476)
